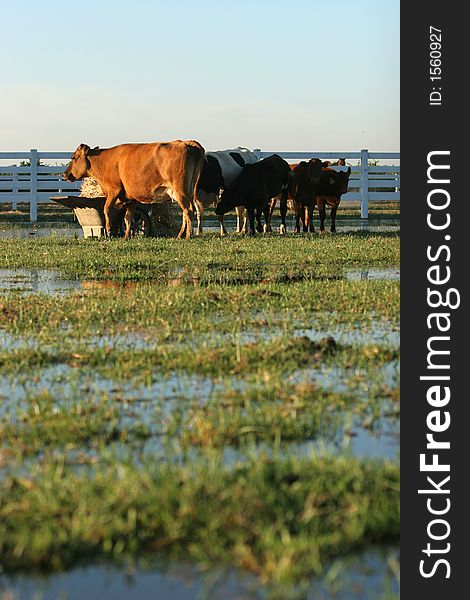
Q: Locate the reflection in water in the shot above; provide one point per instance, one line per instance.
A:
(35, 281)
(370, 574)
(50, 282)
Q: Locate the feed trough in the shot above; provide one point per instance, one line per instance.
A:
(158, 220)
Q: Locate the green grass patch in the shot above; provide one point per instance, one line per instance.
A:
(279, 519)
(71, 424)
(162, 313)
(142, 259)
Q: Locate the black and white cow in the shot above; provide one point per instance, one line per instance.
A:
(219, 170)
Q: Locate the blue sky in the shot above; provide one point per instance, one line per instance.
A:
(303, 75)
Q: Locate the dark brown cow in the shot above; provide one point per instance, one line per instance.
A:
(302, 190)
(333, 185)
(147, 173)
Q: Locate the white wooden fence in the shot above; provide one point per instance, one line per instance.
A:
(35, 184)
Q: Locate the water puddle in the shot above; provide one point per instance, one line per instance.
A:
(51, 282)
(40, 232)
(377, 332)
(343, 225)
(373, 274)
(364, 443)
(35, 281)
(11, 342)
(366, 575)
(162, 403)
(357, 442)
(62, 381)
(338, 379)
(221, 273)
(230, 274)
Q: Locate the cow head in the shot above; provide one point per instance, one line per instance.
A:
(211, 178)
(235, 194)
(335, 183)
(314, 170)
(342, 179)
(79, 165)
(227, 201)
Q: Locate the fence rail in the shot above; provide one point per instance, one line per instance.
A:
(36, 183)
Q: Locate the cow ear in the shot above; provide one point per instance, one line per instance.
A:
(96, 148)
(84, 148)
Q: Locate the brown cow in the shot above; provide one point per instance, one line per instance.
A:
(302, 190)
(326, 191)
(341, 162)
(147, 173)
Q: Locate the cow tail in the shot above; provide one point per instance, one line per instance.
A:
(196, 153)
(196, 177)
(291, 185)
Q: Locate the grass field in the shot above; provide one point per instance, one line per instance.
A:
(211, 400)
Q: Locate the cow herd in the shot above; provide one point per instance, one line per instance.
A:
(183, 172)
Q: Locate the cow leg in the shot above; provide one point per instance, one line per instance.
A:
(322, 213)
(128, 218)
(305, 219)
(333, 218)
(245, 221)
(311, 225)
(187, 226)
(182, 230)
(241, 219)
(283, 210)
(251, 219)
(110, 201)
(187, 222)
(267, 225)
(199, 213)
(223, 229)
(259, 225)
(297, 216)
(268, 212)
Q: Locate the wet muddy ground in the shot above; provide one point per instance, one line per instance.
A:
(161, 412)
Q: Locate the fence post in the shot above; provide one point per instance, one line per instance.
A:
(257, 151)
(33, 206)
(364, 184)
(14, 186)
